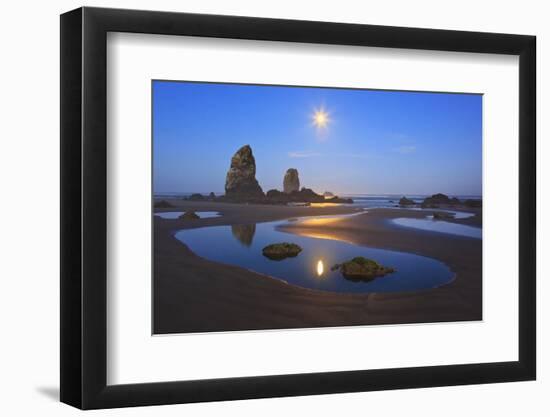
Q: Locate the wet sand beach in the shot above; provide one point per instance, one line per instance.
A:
(192, 294)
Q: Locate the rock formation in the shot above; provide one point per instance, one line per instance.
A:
(473, 203)
(280, 251)
(404, 201)
(241, 178)
(440, 199)
(196, 197)
(362, 269)
(305, 195)
(163, 204)
(241, 186)
(291, 181)
(189, 215)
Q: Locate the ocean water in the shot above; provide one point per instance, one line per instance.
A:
(391, 200)
(242, 245)
(177, 214)
(371, 201)
(359, 200)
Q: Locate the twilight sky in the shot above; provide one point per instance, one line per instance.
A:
(375, 142)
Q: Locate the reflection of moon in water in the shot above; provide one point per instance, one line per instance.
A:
(320, 268)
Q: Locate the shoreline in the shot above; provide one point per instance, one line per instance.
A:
(192, 294)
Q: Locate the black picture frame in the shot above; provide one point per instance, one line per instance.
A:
(84, 207)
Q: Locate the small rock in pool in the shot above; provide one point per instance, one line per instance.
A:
(362, 269)
(189, 215)
(280, 251)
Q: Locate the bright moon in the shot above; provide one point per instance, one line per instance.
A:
(320, 118)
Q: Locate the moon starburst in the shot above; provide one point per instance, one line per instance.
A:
(320, 118)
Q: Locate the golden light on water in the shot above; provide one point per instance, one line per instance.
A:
(319, 221)
(320, 267)
(320, 118)
(325, 204)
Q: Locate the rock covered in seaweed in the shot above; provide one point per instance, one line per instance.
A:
(362, 269)
(280, 251)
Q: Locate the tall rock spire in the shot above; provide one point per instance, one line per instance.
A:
(291, 182)
(241, 177)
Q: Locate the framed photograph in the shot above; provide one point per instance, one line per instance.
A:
(259, 208)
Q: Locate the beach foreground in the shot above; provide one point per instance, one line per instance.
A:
(192, 294)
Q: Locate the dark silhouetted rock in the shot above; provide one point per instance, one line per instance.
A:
(280, 251)
(211, 196)
(291, 182)
(339, 200)
(305, 195)
(189, 215)
(328, 194)
(241, 180)
(275, 194)
(473, 203)
(436, 200)
(163, 204)
(244, 233)
(362, 269)
(404, 201)
(196, 197)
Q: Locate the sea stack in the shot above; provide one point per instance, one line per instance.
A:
(241, 178)
(291, 181)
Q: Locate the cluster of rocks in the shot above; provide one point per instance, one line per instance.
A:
(404, 201)
(305, 195)
(241, 186)
(438, 200)
(200, 197)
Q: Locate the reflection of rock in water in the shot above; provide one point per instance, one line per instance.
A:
(244, 233)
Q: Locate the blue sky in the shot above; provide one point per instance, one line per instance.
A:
(376, 142)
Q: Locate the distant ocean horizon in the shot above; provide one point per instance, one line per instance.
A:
(360, 200)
